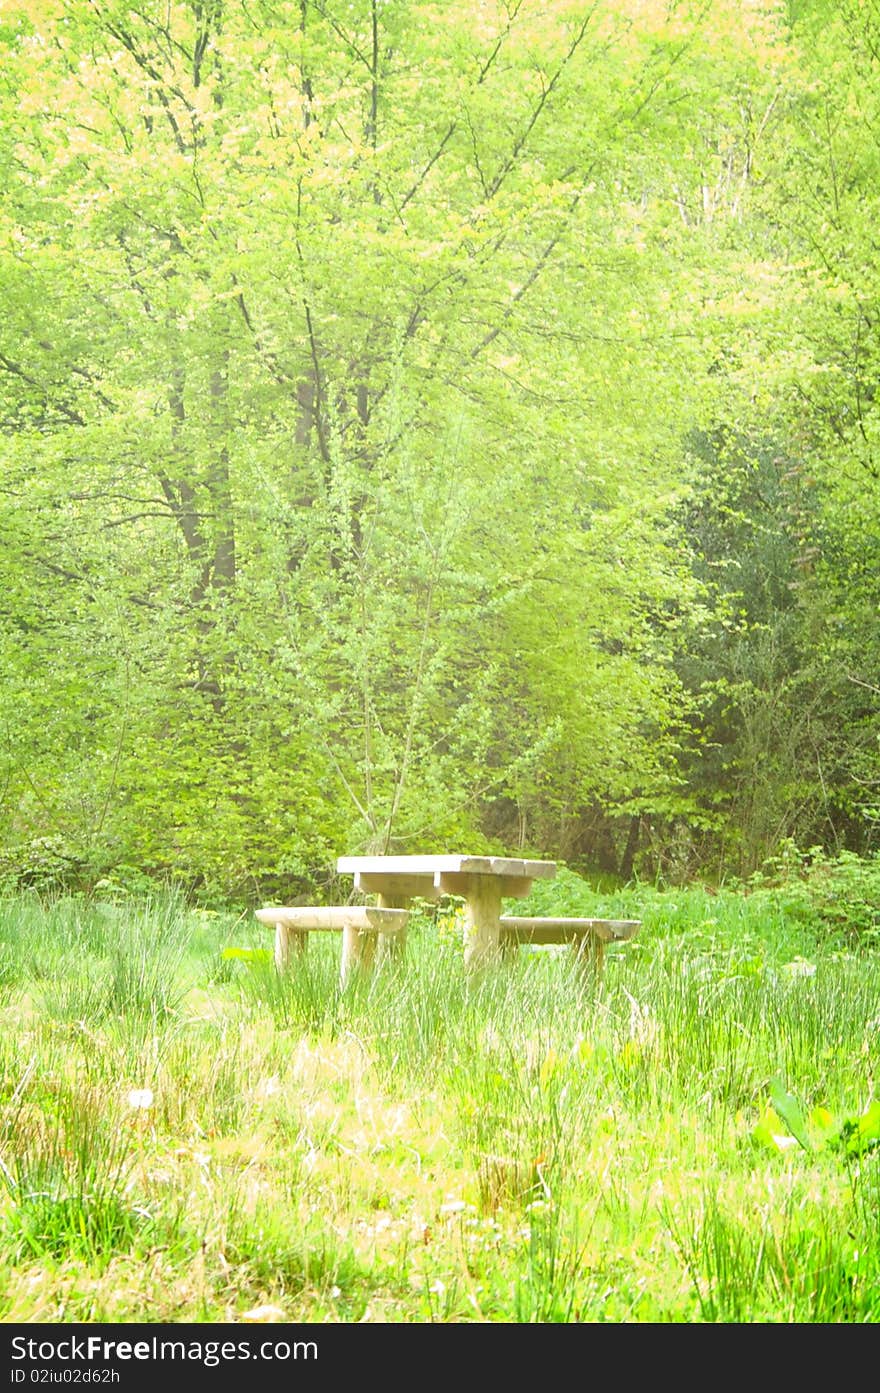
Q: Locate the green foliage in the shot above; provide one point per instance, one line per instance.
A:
(420, 430)
(840, 893)
(246, 955)
(784, 1119)
(336, 360)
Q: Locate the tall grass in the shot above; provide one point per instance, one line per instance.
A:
(188, 1136)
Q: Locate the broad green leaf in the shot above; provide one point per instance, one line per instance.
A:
(790, 1111)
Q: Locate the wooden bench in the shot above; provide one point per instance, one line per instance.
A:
(586, 936)
(360, 926)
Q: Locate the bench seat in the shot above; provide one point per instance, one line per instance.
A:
(587, 936)
(360, 926)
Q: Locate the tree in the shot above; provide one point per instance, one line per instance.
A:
(349, 357)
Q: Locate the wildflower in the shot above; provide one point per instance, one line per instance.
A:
(140, 1098)
(454, 1206)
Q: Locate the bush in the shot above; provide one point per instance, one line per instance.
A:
(833, 892)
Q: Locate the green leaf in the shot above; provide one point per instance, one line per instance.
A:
(824, 1126)
(770, 1132)
(790, 1111)
(862, 1133)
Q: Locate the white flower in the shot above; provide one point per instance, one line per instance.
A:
(454, 1207)
(140, 1098)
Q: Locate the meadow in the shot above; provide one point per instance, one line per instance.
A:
(185, 1136)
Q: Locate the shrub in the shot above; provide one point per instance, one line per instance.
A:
(833, 892)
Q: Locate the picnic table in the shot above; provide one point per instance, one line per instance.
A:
(398, 882)
(481, 881)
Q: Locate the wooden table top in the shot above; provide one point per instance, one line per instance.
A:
(508, 866)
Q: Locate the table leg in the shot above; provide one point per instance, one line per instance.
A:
(482, 922)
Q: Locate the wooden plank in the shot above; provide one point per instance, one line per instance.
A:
(587, 937)
(514, 887)
(434, 865)
(406, 887)
(361, 918)
(548, 930)
(507, 866)
(425, 887)
(397, 865)
(463, 884)
(454, 883)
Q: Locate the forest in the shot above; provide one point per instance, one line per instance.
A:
(437, 427)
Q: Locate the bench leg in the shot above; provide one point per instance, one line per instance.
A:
(288, 941)
(358, 952)
(392, 946)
